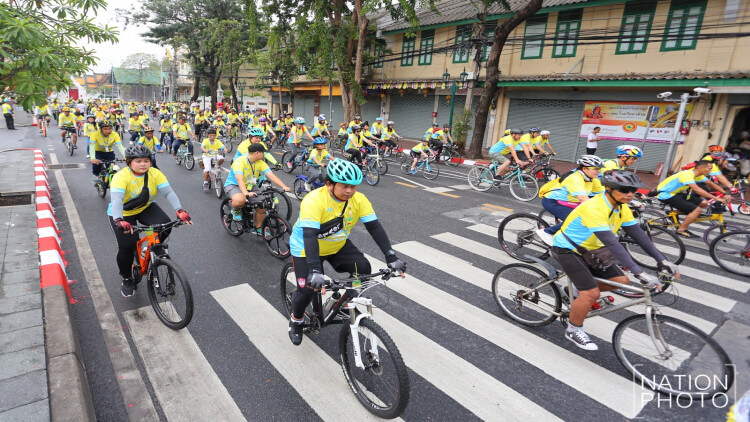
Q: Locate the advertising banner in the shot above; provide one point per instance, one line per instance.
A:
(627, 121)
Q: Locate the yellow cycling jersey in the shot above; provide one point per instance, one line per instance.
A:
(150, 143)
(182, 131)
(66, 121)
(243, 171)
(421, 147)
(232, 117)
(590, 217)
(105, 144)
(127, 182)
(573, 186)
(212, 147)
(135, 124)
(387, 134)
(166, 125)
(89, 129)
(676, 183)
(320, 154)
(43, 109)
(611, 165)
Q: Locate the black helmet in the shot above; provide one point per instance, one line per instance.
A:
(356, 128)
(137, 151)
(533, 129)
(446, 125)
(616, 179)
(516, 131)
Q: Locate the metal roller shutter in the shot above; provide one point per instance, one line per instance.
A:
(653, 153)
(371, 109)
(561, 117)
(412, 114)
(304, 106)
(335, 117)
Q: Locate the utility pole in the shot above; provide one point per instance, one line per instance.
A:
(477, 34)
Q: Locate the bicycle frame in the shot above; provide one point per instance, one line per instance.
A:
(145, 261)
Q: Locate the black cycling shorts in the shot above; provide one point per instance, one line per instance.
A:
(682, 203)
(581, 274)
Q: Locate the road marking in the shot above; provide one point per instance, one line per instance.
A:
(183, 380)
(611, 390)
(406, 184)
(447, 194)
(498, 207)
(487, 209)
(461, 187)
(438, 189)
(407, 180)
(137, 400)
(267, 329)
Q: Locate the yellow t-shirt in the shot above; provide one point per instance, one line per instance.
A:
(104, 144)
(135, 124)
(66, 121)
(212, 148)
(320, 154)
(247, 172)
(149, 143)
(675, 184)
(131, 185)
(89, 129)
(182, 131)
(573, 186)
(590, 217)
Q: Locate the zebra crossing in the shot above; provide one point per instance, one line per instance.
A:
(453, 338)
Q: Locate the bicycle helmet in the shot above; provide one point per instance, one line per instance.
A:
(90, 116)
(137, 151)
(256, 131)
(319, 140)
(262, 119)
(104, 124)
(544, 132)
(629, 150)
(378, 119)
(147, 129)
(507, 132)
(722, 156)
(357, 117)
(516, 131)
(435, 125)
(590, 161)
(66, 109)
(356, 128)
(300, 120)
(390, 122)
(533, 129)
(616, 179)
(715, 148)
(446, 125)
(342, 171)
(322, 117)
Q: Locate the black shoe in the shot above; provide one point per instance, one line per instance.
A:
(295, 332)
(128, 287)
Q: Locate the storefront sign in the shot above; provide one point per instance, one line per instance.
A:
(627, 121)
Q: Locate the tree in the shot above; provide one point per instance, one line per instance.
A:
(502, 31)
(37, 45)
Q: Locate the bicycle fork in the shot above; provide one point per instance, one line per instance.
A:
(354, 328)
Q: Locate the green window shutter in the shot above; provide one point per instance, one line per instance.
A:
(636, 27)
(377, 52)
(407, 51)
(489, 35)
(566, 35)
(463, 34)
(683, 25)
(427, 40)
(533, 37)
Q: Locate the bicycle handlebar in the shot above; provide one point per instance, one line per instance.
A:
(347, 282)
(158, 227)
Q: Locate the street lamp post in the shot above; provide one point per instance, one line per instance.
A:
(684, 99)
(203, 86)
(242, 85)
(454, 87)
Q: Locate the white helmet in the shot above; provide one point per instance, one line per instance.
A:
(590, 161)
(544, 132)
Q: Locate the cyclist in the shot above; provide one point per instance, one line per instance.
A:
(421, 150)
(720, 161)
(241, 184)
(316, 162)
(505, 150)
(265, 126)
(388, 133)
(135, 126)
(133, 191)
(165, 131)
(525, 143)
(182, 134)
(295, 138)
(592, 226)
(67, 123)
(233, 121)
(571, 190)
(673, 191)
(354, 144)
(377, 128)
(288, 121)
(42, 113)
(627, 155)
(342, 131)
(211, 148)
(432, 129)
(101, 143)
(255, 136)
(149, 141)
(357, 121)
(540, 141)
(439, 138)
(327, 217)
(89, 128)
(320, 128)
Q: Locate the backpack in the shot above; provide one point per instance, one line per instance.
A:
(554, 184)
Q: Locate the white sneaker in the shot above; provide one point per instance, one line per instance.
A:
(308, 187)
(581, 339)
(546, 237)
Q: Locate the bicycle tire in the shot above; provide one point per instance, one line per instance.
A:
(515, 237)
(284, 205)
(219, 187)
(69, 146)
(524, 187)
(668, 243)
(189, 161)
(276, 233)
(178, 158)
(715, 230)
(405, 168)
(507, 286)
(390, 398)
(171, 294)
(234, 228)
(731, 251)
(477, 178)
(371, 175)
(285, 159)
(101, 188)
(705, 348)
(549, 175)
(299, 188)
(547, 216)
(647, 214)
(430, 173)
(229, 146)
(457, 156)
(44, 129)
(381, 166)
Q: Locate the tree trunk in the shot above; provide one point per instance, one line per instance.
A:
(477, 33)
(196, 90)
(232, 81)
(503, 30)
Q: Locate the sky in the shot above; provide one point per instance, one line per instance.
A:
(130, 40)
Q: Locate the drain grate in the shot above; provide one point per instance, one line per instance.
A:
(16, 199)
(64, 166)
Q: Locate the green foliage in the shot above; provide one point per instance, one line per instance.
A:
(461, 128)
(37, 45)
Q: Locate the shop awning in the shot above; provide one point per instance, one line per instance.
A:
(667, 79)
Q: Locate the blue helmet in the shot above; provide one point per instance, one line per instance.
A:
(256, 131)
(342, 171)
(629, 150)
(300, 120)
(319, 140)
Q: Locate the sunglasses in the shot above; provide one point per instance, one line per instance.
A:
(592, 168)
(627, 190)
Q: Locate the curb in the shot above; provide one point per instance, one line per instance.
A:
(69, 394)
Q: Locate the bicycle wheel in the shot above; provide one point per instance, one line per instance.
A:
(524, 187)
(44, 129)
(547, 217)
(480, 178)
(547, 175)
(288, 285)
(517, 236)
(382, 386)
(283, 205)
(285, 159)
(189, 161)
(232, 226)
(371, 175)
(678, 352)
(276, 232)
(430, 172)
(69, 146)
(647, 214)
(101, 187)
(454, 159)
(714, 231)
(381, 166)
(299, 188)
(731, 251)
(170, 294)
(514, 288)
(219, 187)
(178, 158)
(405, 168)
(229, 146)
(668, 243)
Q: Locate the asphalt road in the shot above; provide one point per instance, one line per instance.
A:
(466, 359)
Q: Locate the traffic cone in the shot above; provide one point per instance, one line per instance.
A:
(34, 123)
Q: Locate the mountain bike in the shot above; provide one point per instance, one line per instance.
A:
(184, 155)
(288, 164)
(658, 350)
(426, 166)
(371, 362)
(215, 176)
(712, 214)
(449, 154)
(168, 289)
(107, 170)
(731, 251)
(543, 171)
(274, 228)
(522, 185)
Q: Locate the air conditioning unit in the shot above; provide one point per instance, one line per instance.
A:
(470, 76)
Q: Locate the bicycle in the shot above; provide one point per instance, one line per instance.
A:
(654, 348)
(425, 166)
(712, 214)
(370, 171)
(731, 251)
(371, 362)
(299, 184)
(376, 155)
(543, 171)
(448, 154)
(68, 141)
(184, 155)
(168, 289)
(274, 228)
(44, 126)
(107, 170)
(215, 175)
(522, 185)
(288, 164)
